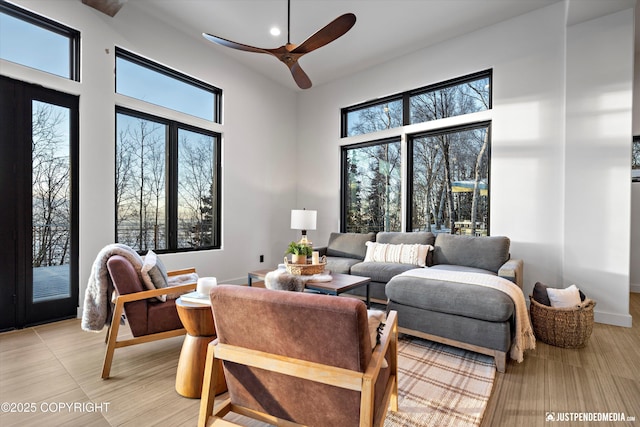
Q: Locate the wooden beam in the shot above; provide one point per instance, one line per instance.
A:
(109, 7)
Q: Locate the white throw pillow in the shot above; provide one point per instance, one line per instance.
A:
(154, 274)
(414, 254)
(568, 297)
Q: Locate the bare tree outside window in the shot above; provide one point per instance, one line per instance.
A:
(387, 115)
(196, 199)
(166, 185)
(450, 101)
(450, 182)
(51, 182)
(140, 183)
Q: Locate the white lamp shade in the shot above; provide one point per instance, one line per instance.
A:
(303, 219)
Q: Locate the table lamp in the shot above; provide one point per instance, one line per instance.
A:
(302, 219)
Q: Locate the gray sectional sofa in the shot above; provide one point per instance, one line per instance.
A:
(476, 318)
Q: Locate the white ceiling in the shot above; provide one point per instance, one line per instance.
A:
(384, 29)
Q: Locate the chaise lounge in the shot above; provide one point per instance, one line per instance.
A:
(437, 302)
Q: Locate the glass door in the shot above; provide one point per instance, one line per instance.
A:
(39, 146)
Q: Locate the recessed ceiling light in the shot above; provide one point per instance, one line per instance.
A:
(275, 31)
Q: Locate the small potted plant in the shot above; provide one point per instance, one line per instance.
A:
(299, 252)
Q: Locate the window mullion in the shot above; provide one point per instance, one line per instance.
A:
(172, 186)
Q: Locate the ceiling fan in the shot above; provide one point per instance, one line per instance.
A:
(290, 53)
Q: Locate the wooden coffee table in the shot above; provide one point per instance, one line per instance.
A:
(339, 283)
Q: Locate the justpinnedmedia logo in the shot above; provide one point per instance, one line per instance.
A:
(588, 417)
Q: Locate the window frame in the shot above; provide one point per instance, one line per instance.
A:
(344, 123)
(635, 169)
(344, 173)
(169, 72)
(410, 169)
(406, 99)
(171, 176)
(407, 132)
(55, 27)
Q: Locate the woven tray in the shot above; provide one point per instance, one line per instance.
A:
(563, 327)
(305, 269)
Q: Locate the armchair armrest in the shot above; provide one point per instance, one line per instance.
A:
(181, 271)
(513, 270)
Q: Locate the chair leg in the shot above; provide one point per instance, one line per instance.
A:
(208, 387)
(112, 339)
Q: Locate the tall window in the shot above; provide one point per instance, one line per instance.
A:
(447, 169)
(38, 42)
(371, 183)
(167, 171)
(449, 181)
(167, 184)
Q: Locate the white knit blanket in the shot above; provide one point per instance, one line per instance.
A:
(97, 297)
(524, 338)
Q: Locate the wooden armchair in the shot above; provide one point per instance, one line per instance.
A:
(293, 358)
(148, 318)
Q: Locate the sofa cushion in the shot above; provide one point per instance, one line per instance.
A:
(487, 253)
(380, 271)
(493, 335)
(397, 237)
(461, 299)
(349, 245)
(341, 264)
(414, 254)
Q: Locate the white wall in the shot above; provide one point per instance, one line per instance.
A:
(534, 145)
(635, 187)
(258, 137)
(598, 158)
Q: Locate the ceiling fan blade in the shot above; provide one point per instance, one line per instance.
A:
(302, 80)
(108, 7)
(234, 45)
(334, 29)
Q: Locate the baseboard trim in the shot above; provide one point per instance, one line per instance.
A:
(612, 318)
(635, 288)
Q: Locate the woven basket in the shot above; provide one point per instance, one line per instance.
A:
(305, 269)
(563, 327)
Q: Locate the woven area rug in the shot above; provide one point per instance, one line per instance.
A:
(439, 385)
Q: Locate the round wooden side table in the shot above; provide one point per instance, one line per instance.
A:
(198, 321)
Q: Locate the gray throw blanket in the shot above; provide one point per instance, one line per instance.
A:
(283, 281)
(97, 298)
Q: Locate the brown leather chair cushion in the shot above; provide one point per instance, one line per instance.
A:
(147, 316)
